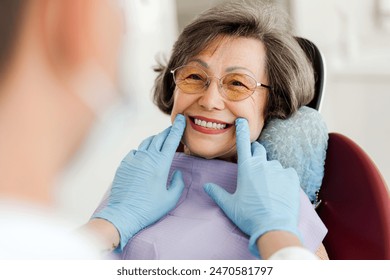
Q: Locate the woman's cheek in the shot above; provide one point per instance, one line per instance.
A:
(173, 116)
(175, 106)
(255, 133)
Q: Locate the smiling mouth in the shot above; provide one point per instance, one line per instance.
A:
(209, 124)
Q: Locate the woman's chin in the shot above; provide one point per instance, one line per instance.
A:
(228, 155)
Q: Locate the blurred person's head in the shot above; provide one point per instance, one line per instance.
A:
(263, 74)
(58, 69)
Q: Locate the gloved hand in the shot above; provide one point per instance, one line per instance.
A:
(139, 196)
(267, 195)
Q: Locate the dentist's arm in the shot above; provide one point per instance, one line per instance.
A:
(139, 196)
(283, 245)
(265, 204)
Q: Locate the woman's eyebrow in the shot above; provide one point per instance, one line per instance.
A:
(201, 62)
(234, 68)
(228, 69)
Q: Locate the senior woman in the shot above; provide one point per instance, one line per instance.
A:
(233, 69)
(236, 60)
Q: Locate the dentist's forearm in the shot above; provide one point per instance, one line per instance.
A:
(106, 233)
(273, 241)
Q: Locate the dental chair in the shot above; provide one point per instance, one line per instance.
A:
(355, 203)
(318, 63)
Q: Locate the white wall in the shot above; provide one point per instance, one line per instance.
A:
(356, 44)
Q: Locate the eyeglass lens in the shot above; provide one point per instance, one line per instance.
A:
(236, 86)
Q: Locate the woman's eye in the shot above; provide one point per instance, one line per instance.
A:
(194, 77)
(238, 84)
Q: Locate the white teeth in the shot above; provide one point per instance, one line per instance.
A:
(209, 124)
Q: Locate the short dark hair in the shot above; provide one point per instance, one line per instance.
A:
(289, 71)
(10, 21)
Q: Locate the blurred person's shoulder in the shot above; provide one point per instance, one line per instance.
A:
(29, 232)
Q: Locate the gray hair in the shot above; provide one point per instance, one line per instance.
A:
(289, 71)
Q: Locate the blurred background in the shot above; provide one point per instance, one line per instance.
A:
(354, 37)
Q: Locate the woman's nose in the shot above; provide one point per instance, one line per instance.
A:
(211, 99)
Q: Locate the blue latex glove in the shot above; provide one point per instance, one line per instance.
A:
(139, 196)
(267, 195)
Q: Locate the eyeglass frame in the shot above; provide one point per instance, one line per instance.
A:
(220, 84)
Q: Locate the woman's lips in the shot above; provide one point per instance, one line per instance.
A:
(208, 126)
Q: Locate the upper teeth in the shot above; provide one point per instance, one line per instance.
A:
(210, 124)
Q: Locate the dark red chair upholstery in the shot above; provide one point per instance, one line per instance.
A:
(355, 203)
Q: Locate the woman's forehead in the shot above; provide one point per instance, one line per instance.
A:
(232, 53)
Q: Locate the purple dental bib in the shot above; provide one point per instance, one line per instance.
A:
(198, 229)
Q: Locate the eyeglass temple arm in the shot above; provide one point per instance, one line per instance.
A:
(263, 85)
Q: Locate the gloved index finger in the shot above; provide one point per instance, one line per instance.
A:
(146, 143)
(173, 139)
(243, 141)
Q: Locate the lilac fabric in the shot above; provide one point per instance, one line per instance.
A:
(198, 229)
